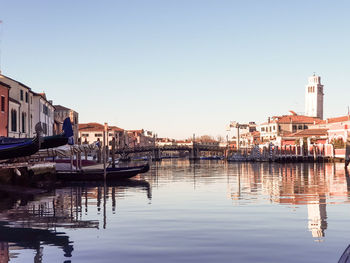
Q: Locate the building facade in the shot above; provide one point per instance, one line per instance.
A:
(61, 113)
(280, 126)
(93, 132)
(42, 111)
(19, 108)
(314, 97)
(4, 108)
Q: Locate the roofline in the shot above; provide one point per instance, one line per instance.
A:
(38, 94)
(20, 83)
(5, 85)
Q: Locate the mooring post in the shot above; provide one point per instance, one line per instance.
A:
(113, 152)
(104, 150)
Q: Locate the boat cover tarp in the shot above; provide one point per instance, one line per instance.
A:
(66, 150)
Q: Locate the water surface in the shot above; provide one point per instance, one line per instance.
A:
(209, 211)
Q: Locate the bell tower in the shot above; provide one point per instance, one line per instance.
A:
(314, 97)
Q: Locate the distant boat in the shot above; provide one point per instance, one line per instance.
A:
(23, 148)
(47, 141)
(117, 173)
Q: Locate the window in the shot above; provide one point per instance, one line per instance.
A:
(305, 127)
(2, 103)
(274, 128)
(27, 97)
(294, 127)
(44, 125)
(98, 134)
(45, 109)
(300, 127)
(21, 94)
(111, 134)
(13, 120)
(23, 122)
(85, 134)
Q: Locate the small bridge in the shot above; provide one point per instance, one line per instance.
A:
(194, 150)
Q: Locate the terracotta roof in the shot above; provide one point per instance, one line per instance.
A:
(297, 119)
(94, 126)
(310, 132)
(336, 119)
(115, 128)
(293, 119)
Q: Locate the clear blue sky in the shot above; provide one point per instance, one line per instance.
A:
(178, 67)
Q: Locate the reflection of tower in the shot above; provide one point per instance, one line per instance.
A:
(317, 215)
(314, 97)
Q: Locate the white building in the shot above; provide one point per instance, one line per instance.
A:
(43, 111)
(93, 132)
(21, 99)
(314, 97)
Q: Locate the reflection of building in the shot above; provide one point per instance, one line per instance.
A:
(293, 184)
(317, 216)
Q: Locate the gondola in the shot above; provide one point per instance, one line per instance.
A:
(47, 141)
(20, 149)
(112, 174)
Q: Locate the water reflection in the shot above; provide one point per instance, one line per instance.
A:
(28, 222)
(294, 185)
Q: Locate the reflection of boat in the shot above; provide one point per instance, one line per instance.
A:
(34, 238)
(345, 258)
(123, 183)
(127, 183)
(117, 173)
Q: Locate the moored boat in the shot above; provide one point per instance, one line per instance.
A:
(118, 173)
(47, 141)
(21, 149)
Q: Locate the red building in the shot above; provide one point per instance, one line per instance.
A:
(4, 108)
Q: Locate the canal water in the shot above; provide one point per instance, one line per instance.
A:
(179, 211)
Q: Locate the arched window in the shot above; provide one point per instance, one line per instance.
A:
(13, 120)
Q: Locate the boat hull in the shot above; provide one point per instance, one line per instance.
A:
(15, 150)
(98, 174)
